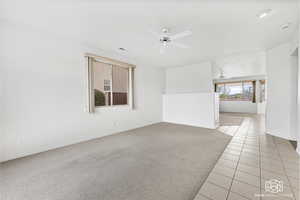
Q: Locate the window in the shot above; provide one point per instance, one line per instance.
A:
(120, 85)
(236, 91)
(110, 82)
(102, 83)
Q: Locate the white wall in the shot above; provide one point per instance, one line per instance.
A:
(43, 94)
(298, 97)
(294, 94)
(195, 109)
(189, 97)
(294, 58)
(239, 65)
(189, 79)
(261, 107)
(280, 102)
(238, 106)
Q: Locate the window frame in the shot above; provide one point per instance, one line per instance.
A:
(253, 99)
(90, 59)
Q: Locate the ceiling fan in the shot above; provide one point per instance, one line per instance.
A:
(166, 39)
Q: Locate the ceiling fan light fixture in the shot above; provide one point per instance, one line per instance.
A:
(264, 13)
(165, 30)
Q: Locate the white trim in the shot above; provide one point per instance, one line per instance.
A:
(298, 148)
(90, 86)
(109, 61)
(244, 78)
(275, 133)
(130, 88)
(111, 86)
(114, 107)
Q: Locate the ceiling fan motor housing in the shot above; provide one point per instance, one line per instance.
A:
(165, 39)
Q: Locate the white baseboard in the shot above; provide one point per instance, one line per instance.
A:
(298, 147)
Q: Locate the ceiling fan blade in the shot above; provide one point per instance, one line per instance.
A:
(183, 46)
(180, 35)
(162, 49)
(156, 34)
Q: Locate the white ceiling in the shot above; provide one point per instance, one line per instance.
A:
(240, 65)
(219, 27)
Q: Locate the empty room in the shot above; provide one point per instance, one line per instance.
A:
(149, 100)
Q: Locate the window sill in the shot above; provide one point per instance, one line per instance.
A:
(235, 100)
(114, 108)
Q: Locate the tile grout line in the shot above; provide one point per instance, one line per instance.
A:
(205, 197)
(289, 182)
(229, 189)
(246, 131)
(244, 135)
(246, 183)
(216, 172)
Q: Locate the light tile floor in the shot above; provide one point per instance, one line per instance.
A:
(251, 160)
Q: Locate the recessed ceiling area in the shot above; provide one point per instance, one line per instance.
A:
(219, 28)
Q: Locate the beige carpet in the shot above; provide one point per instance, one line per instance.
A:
(158, 162)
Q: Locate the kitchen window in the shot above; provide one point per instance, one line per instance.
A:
(236, 91)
